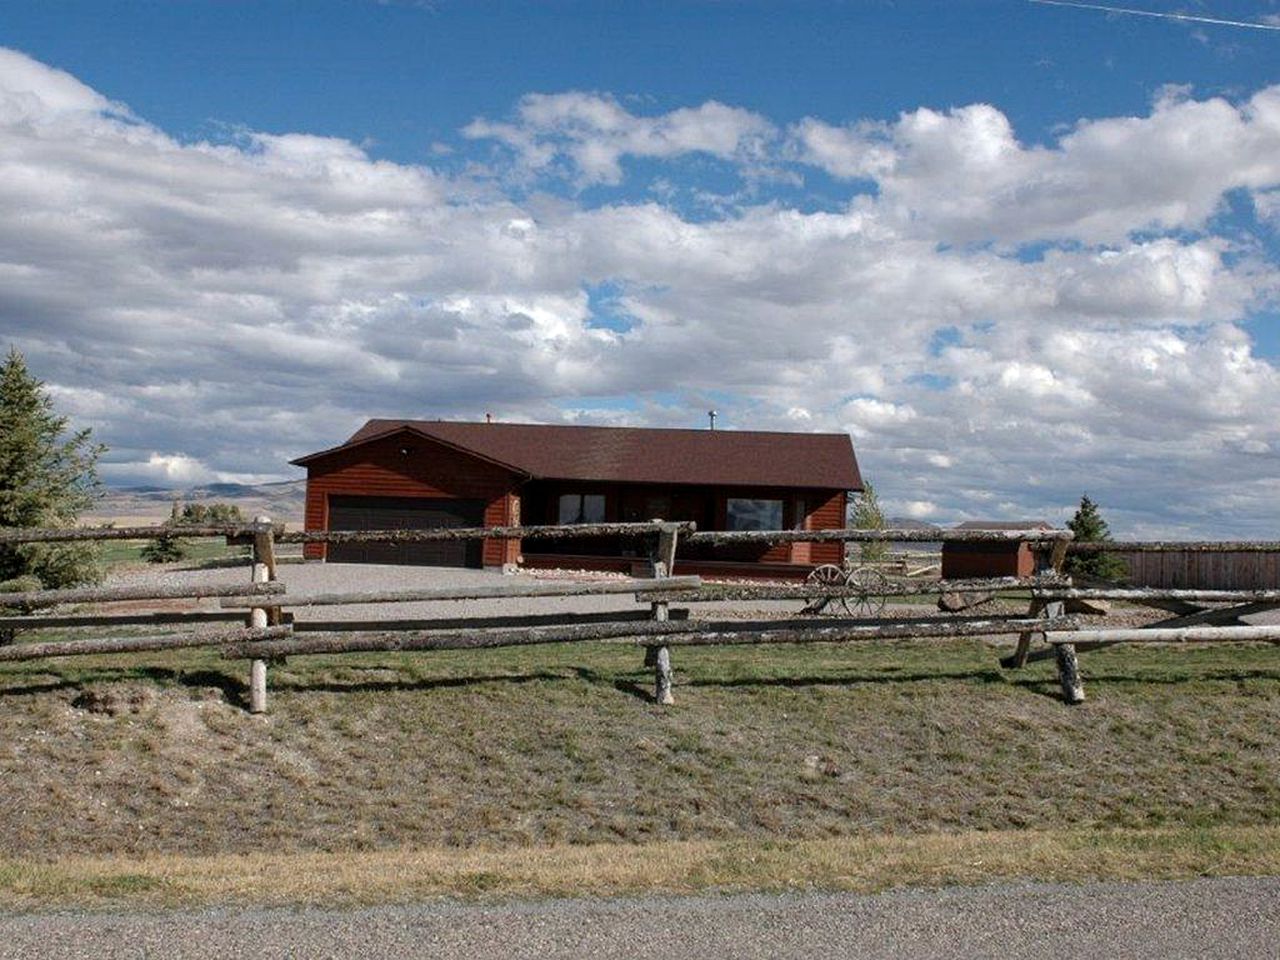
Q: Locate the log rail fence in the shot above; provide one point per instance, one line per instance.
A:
(268, 631)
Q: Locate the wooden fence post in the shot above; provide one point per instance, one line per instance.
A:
(1050, 610)
(264, 571)
(1069, 672)
(1049, 563)
(659, 658)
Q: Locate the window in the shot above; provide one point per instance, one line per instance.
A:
(755, 514)
(582, 508)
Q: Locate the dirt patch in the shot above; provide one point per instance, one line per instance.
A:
(113, 700)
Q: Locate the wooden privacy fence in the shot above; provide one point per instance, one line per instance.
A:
(267, 630)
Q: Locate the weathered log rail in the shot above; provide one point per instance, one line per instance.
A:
(1142, 594)
(718, 592)
(676, 586)
(12, 535)
(551, 532)
(266, 635)
(163, 641)
(42, 599)
(666, 633)
(722, 537)
(1171, 546)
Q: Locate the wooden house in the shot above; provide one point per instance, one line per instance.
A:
(411, 474)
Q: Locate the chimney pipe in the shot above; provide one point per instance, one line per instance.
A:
(711, 414)
(488, 418)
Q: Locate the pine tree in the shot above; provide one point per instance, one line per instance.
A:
(46, 480)
(1089, 527)
(867, 515)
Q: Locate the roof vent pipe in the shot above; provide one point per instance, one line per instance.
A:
(488, 418)
(711, 414)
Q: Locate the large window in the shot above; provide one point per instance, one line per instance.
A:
(582, 508)
(755, 514)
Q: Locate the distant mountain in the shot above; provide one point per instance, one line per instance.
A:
(281, 500)
(906, 523)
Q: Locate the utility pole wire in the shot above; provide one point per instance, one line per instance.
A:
(1186, 17)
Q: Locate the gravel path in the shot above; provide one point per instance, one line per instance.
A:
(310, 578)
(1236, 918)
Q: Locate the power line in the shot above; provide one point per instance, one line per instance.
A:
(1186, 17)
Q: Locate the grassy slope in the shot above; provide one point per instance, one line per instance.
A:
(769, 753)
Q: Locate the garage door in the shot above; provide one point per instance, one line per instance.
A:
(406, 513)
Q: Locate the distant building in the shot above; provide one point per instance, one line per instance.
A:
(963, 561)
(413, 474)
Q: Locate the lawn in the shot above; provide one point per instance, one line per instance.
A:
(560, 748)
(115, 553)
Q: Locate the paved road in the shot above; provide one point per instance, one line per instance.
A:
(1239, 919)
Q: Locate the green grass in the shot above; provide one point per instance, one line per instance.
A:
(114, 553)
(558, 745)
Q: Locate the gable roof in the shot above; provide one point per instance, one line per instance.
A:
(639, 454)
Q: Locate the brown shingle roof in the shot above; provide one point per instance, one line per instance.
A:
(642, 455)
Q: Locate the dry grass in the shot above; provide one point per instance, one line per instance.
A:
(776, 765)
(607, 870)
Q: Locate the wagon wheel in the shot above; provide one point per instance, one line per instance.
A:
(871, 586)
(827, 575)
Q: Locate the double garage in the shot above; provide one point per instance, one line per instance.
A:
(406, 513)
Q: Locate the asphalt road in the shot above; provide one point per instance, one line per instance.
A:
(1236, 918)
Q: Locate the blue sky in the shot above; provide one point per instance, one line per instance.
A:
(402, 76)
(956, 231)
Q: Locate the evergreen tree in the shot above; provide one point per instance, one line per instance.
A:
(46, 480)
(1089, 527)
(867, 515)
(170, 547)
(164, 549)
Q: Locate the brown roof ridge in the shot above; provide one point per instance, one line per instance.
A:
(597, 426)
(681, 455)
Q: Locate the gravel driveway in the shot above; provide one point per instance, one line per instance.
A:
(1237, 918)
(310, 578)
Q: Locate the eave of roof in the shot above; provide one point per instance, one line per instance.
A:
(414, 431)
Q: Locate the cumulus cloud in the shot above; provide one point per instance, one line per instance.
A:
(214, 309)
(962, 175)
(593, 133)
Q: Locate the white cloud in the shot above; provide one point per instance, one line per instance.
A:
(215, 309)
(593, 133)
(915, 509)
(36, 93)
(963, 176)
(163, 469)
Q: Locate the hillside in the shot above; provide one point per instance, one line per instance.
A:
(836, 767)
(138, 505)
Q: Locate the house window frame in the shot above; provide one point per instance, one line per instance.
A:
(595, 500)
(730, 518)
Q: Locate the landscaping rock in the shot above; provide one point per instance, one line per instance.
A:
(955, 602)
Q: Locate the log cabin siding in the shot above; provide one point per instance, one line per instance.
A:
(427, 470)
(828, 514)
